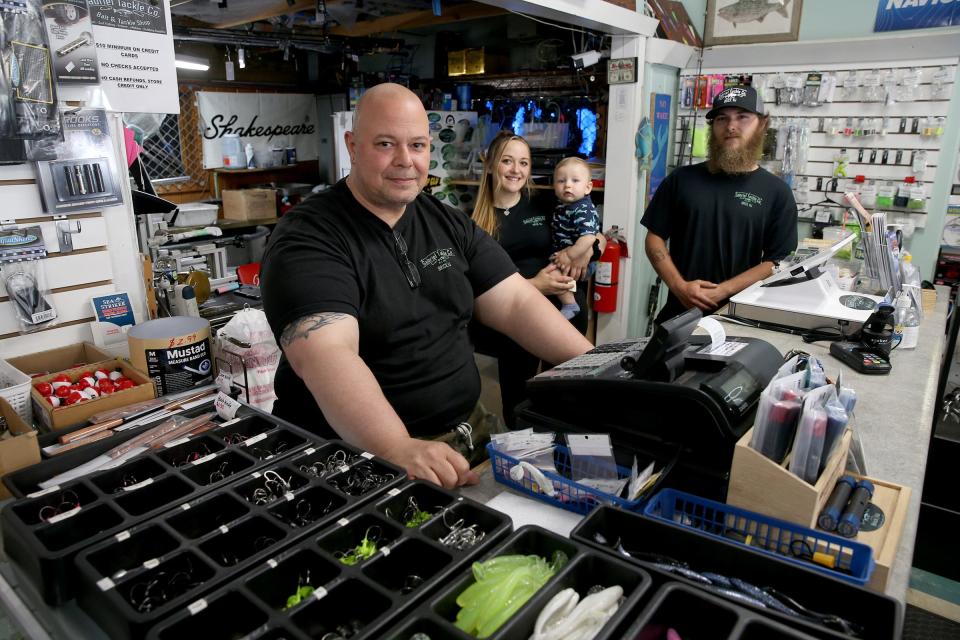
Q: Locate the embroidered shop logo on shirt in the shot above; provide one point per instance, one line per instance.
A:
(748, 200)
(535, 221)
(440, 259)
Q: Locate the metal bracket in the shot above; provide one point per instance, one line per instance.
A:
(65, 230)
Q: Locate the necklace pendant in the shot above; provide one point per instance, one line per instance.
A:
(506, 212)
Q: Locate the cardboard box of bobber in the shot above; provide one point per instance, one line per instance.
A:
(60, 359)
(73, 411)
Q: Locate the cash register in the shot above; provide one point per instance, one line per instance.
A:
(673, 394)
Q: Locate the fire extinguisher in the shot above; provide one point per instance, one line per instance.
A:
(607, 275)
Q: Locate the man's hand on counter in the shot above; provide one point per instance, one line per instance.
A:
(432, 461)
(703, 294)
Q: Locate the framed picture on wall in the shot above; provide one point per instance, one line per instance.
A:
(747, 21)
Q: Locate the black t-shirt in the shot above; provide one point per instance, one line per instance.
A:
(720, 225)
(525, 234)
(330, 254)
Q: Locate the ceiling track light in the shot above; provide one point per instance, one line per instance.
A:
(241, 58)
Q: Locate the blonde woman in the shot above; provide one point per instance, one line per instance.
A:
(507, 209)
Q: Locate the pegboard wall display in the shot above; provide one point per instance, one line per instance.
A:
(872, 130)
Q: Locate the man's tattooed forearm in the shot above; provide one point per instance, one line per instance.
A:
(658, 255)
(301, 328)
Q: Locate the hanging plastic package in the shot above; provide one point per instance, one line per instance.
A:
(26, 288)
(30, 111)
(700, 136)
(247, 351)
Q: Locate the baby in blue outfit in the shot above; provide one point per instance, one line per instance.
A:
(576, 224)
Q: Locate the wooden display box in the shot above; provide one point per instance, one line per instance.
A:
(249, 204)
(893, 499)
(53, 418)
(759, 484)
(20, 449)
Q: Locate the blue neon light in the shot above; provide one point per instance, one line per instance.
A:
(518, 121)
(587, 122)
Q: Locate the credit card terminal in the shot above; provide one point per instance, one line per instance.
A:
(860, 358)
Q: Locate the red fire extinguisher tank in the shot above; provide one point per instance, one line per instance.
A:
(607, 277)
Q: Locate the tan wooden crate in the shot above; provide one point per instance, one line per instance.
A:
(759, 484)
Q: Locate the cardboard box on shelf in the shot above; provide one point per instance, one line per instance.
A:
(19, 449)
(53, 418)
(249, 204)
(56, 360)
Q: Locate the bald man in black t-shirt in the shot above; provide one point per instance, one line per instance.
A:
(727, 220)
(369, 288)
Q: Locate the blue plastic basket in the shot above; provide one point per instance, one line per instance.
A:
(779, 538)
(569, 495)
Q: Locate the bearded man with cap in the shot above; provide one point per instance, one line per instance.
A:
(727, 220)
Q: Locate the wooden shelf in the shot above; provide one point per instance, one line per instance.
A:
(282, 167)
(226, 223)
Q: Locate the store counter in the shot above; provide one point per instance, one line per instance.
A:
(893, 417)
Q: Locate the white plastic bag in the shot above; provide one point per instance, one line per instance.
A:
(248, 352)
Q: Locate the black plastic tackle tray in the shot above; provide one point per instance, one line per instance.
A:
(654, 543)
(361, 598)
(44, 530)
(132, 580)
(585, 569)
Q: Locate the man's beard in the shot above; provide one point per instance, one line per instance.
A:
(734, 160)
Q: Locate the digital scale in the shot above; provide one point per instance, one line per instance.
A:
(803, 296)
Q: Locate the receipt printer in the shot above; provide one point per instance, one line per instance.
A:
(670, 392)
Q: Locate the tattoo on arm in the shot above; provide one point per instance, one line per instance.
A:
(304, 326)
(658, 256)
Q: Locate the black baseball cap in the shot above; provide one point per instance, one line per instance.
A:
(745, 98)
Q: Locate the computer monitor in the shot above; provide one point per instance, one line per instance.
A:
(662, 358)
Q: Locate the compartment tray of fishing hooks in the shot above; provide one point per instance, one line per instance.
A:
(128, 583)
(44, 530)
(357, 576)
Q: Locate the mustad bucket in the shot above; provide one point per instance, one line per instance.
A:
(175, 352)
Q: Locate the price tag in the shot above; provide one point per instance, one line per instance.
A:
(43, 316)
(226, 406)
(224, 381)
(151, 563)
(63, 516)
(43, 492)
(319, 593)
(823, 216)
(255, 439)
(134, 487)
(123, 535)
(197, 607)
(105, 584)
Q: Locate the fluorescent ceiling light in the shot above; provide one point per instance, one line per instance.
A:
(192, 62)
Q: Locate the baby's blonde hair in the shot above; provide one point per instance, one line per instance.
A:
(580, 162)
